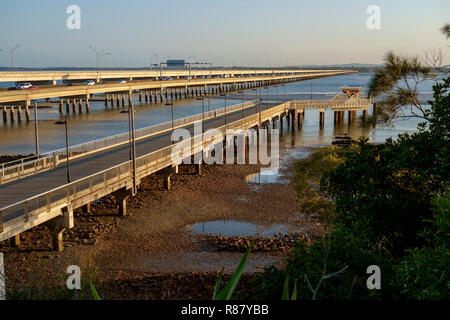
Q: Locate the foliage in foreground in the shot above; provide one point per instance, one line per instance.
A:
(391, 207)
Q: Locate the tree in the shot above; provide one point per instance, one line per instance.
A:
(446, 30)
(397, 83)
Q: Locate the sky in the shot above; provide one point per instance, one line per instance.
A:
(232, 32)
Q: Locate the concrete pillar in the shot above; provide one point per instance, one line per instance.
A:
(80, 106)
(365, 115)
(121, 196)
(300, 117)
(293, 120)
(19, 113)
(57, 226)
(161, 99)
(140, 96)
(61, 105)
(12, 114)
(349, 115)
(322, 118)
(15, 241)
(88, 105)
(86, 208)
(74, 105)
(117, 99)
(123, 100)
(198, 168)
(67, 105)
(5, 114)
(27, 113)
(106, 99)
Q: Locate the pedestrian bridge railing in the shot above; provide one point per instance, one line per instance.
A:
(21, 168)
(333, 104)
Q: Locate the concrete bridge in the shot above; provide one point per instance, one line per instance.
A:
(45, 197)
(53, 76)
(71, 98)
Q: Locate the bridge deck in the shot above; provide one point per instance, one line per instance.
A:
(36, 184)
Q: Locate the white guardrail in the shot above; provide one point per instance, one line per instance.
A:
(18, 169)
(337, 103)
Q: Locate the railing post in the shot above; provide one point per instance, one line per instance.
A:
(26, 211)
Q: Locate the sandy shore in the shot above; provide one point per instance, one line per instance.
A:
(152, 253)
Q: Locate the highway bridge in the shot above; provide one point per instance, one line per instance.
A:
(76, 98)
(75, 75)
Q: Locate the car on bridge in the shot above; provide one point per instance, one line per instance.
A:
(122, 81)
(89, 83)
(25, 85)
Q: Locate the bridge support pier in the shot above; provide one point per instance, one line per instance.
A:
(19, 113)
(86, 208)
(15, 241)
(167, 174)
(321, 118)
(121, 196)
(58, 225)
(365, 115)
(27, 112)
(61, 105)
(88, 105)
(300, 118)
(5, 114)
(12, 115)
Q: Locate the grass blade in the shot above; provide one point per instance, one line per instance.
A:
(285, 295)
(294, 292)
(227, 291)
(95, 295)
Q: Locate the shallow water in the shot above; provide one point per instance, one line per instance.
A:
(102, 122)
(237, 228)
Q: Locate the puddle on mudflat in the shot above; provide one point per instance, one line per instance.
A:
(236, 228)
(278, 174)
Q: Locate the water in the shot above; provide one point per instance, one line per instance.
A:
(19, 138)
(236, 228)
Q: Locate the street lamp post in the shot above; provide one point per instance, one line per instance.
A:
(258, 107)
(99, 65)
(171, 107)
(36, 132)
(12, 56)
(153, 55)
(242, 102)
(67, 145)
(98, 55)
(129, 133)
(133, 142)
(225, 96)
(203, 115)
